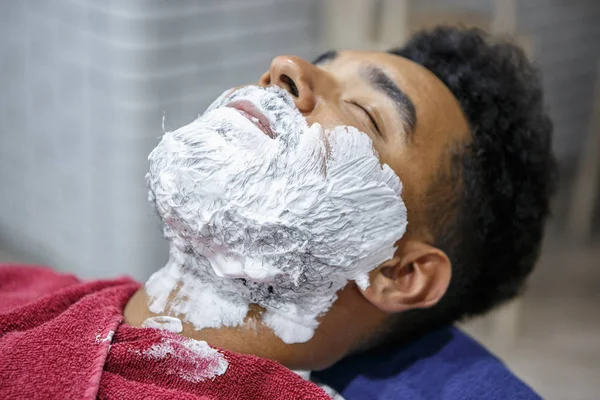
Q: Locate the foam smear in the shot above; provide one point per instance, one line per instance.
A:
(164, 322)
(193, 360)
(281, 222)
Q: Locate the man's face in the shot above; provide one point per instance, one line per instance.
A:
(259, 203)
(409, 114)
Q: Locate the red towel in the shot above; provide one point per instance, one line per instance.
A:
(61, 338)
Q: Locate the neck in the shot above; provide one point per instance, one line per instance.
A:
(336, 336)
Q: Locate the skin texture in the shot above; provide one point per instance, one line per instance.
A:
(335, 92)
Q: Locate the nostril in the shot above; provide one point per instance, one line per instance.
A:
(265, 79)
(291, 85)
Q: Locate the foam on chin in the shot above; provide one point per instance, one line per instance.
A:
(284, 223)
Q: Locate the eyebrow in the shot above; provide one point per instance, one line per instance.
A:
(382, 82)
(325, 57)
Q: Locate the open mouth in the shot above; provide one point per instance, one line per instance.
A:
(250, 111)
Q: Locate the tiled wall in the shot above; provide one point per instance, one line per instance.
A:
(85, 85)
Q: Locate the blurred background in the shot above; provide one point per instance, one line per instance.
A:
(87, 87)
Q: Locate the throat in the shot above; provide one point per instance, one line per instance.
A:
(251, 337)
(337, 335)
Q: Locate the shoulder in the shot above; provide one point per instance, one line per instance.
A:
(17, 274)
(21, 284)
(472, 372)
(444, 364)
(39, 287)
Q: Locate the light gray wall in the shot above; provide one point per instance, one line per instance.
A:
(565, 35)
(566, 41)
(476, 6)
(85, 85)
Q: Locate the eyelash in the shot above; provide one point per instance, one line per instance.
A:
(370, 117)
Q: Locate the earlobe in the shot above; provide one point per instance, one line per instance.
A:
(416, 279)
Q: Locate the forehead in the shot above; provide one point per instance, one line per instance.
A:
(400, 69)
(439, 116)
(422, 86)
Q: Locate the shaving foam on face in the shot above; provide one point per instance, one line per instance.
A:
(281, 222)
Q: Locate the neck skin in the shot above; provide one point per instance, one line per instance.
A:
(345, 326)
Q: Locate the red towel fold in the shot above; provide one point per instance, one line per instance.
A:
(61, 338)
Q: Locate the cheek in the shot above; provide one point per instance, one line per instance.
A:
(413, 172)
(329, 116)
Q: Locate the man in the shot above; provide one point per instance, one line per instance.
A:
(342, 214)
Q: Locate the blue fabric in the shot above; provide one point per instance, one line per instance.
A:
(444, 364)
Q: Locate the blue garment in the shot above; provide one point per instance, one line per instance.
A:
(444, 364)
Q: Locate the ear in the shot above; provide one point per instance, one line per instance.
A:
(416, 278)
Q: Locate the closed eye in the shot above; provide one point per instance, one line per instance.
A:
(370, 118)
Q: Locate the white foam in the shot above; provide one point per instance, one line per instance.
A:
(284, 223)
(195, 360)
(164, 322)
(108, 338)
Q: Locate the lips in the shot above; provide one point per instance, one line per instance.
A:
(250, 111)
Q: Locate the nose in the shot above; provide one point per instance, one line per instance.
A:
(295, 75)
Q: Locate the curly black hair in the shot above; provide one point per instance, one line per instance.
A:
(504, 178)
